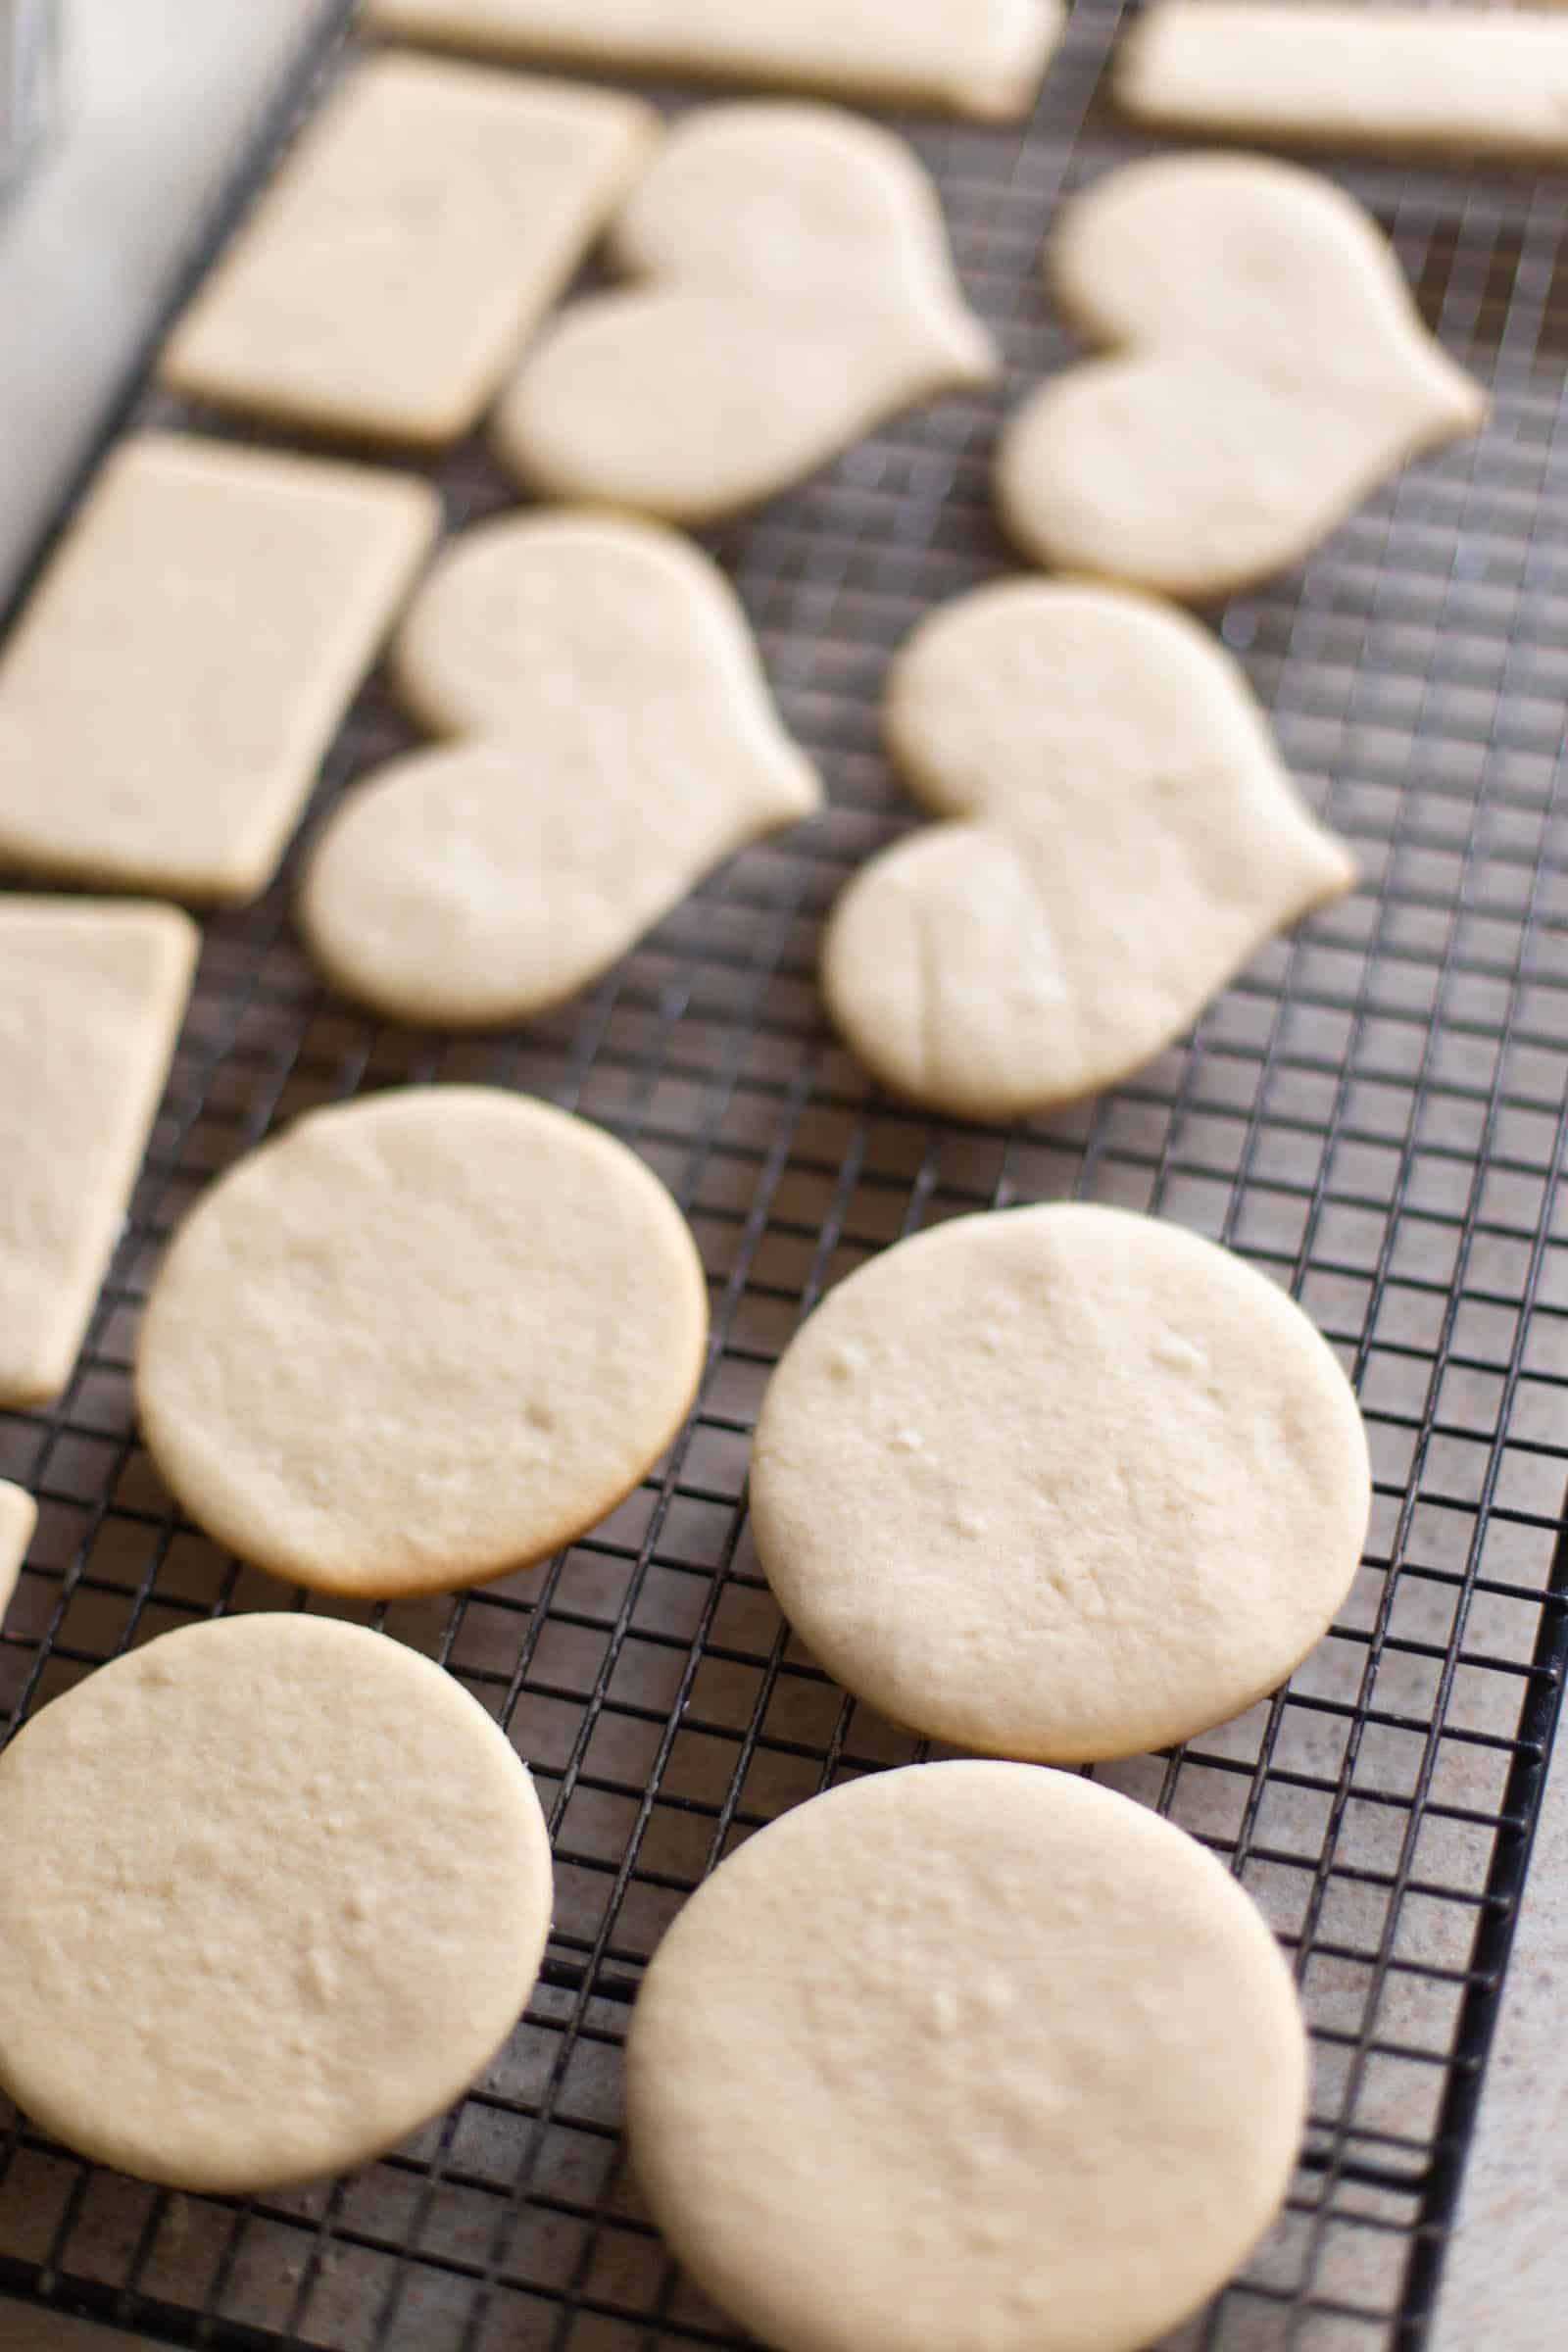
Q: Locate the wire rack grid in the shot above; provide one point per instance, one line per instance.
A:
(1373, 1113)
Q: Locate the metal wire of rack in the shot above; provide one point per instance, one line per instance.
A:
(1375, 1112)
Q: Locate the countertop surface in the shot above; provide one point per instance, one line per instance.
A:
(162, 94)
(158, 95)
(1506, 2282)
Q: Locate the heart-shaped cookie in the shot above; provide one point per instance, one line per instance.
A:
(624, 742)
(1269, 370)
(797, 290)
(1126, 838)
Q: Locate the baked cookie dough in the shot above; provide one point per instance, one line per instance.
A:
(18, 1516)
(91, 1000)
(1125, 838)
(1457, 81)
(169, 691)
(1060, 1483)
(427, 219)
(1268, 367)
(629, 745)
(965, 2057)
(276, 1890)
(970, 56)
(418, 1340)
(796, 290)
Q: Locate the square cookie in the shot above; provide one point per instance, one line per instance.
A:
(426, 221)
(186, 658)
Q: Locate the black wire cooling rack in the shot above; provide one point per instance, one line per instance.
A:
(1375, 1112)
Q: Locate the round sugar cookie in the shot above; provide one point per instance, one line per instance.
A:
(965, 2057)
(419, 1340)
(1060, 1483)
(276, 1890)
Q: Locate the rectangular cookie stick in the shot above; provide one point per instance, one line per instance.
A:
(1444, 81)
(982, 58)
(18, 1516)
(427, 219)
(91, 1000)
(184, 662)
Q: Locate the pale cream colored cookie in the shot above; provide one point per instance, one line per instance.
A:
(421, 1339)
(1126, 838)
(430, 217)
(170, 689)
(1060, 1483)
(796, 290)
(971, 57)
(629, 745)
(1455, 81)
(91, 1000)
(276, 1890)
(18, 1516)
(965, 2058)
(1268, 370)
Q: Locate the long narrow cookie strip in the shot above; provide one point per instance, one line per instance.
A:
(982, 58)
(429, 219)
(169, 691)
(1459, 81)
(18, 1516)
(91, 998)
